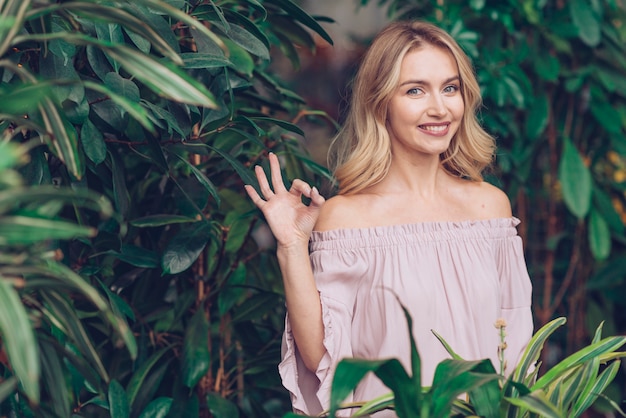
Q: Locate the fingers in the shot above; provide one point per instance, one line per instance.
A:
(266, 190)
(254, 196)
(277, 178)
(298, 187)
(316, 198)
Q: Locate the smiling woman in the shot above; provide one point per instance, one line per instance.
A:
(413, 225)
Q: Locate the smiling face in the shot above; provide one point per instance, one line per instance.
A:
(427, 107)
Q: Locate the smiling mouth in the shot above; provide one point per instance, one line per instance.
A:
(435, 128)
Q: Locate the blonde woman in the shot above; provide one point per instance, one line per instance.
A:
(413, 220)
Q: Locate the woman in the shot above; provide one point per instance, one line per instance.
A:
(413, 221)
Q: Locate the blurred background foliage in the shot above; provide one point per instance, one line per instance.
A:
(137, 280)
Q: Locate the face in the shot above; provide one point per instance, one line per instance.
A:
(427, 107)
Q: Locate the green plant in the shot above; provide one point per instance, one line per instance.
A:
(161, 108)
(566, 390)
(47, 311)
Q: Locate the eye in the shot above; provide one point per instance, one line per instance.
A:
(414, 91)
(453, 88)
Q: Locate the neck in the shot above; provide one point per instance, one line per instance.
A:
(424, 176)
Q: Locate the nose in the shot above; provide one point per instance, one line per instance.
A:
(436, 105)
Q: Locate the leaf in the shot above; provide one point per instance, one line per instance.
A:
(122, 87)
(25, 230)
(607, 345)
(538, 117)
(65, 314)
(281, 123)
(196, 358)
(13, 13)
(93, 142)
(602, 202)
(533, 349)
(7, 387)
(536, 402)
(294, 10)
(18, 340)
(23, 98)
(604, 112)
(160, 220)
(586, 22)
(111, 33)
(158, 408)
(62, 137)
(202, 178)
(348, 374)
(255, 307)
(54, 379)
(139, 377)
(586, 400)
(200, 60)
(120, 189)
(248, 41)
(138, 256)
(129, 22)
(576, 181)
(599, 236)
(220, 407)
(453, 378)
(118, 401)
(183, 250)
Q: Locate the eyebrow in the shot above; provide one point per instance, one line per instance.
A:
(446, 81)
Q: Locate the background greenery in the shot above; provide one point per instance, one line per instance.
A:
(136, 279)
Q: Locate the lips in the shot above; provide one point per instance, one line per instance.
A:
(435, 129)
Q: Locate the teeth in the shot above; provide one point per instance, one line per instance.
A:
(435, 128)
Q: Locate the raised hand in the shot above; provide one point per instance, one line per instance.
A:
(290, 220)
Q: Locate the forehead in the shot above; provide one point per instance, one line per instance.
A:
(428, 63)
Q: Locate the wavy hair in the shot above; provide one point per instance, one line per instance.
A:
(362, 148)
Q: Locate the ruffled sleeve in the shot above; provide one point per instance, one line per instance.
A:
(335, 275)
(516, 296)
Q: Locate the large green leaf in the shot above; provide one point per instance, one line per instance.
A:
(348, 374)
(297, 13)
(605, 346)
(54, 378)
(599, 236)
(196, 357)
(595, 390)
(533, 349)
(13, 15)
(104, 13)
(118, 401)
(25, 230)
(536, 402)
(161, 77)
(158, 408)
(62, 137)
(140, 375)
(19, 341)
(183, 250)
(586, 22)
(576, 181)
(220, 407)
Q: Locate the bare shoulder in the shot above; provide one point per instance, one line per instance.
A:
(491, 201)
(339, 211)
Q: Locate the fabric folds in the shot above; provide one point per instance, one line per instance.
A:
(456, 278)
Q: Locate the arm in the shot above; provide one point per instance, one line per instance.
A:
(291, 223)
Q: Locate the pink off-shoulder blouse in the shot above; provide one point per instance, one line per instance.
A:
(456, 278)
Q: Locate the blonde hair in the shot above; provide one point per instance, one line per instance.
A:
(362, 148)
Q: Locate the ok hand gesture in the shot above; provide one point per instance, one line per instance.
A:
(290, 220)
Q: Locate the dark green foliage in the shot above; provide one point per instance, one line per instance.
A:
(141, 121)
